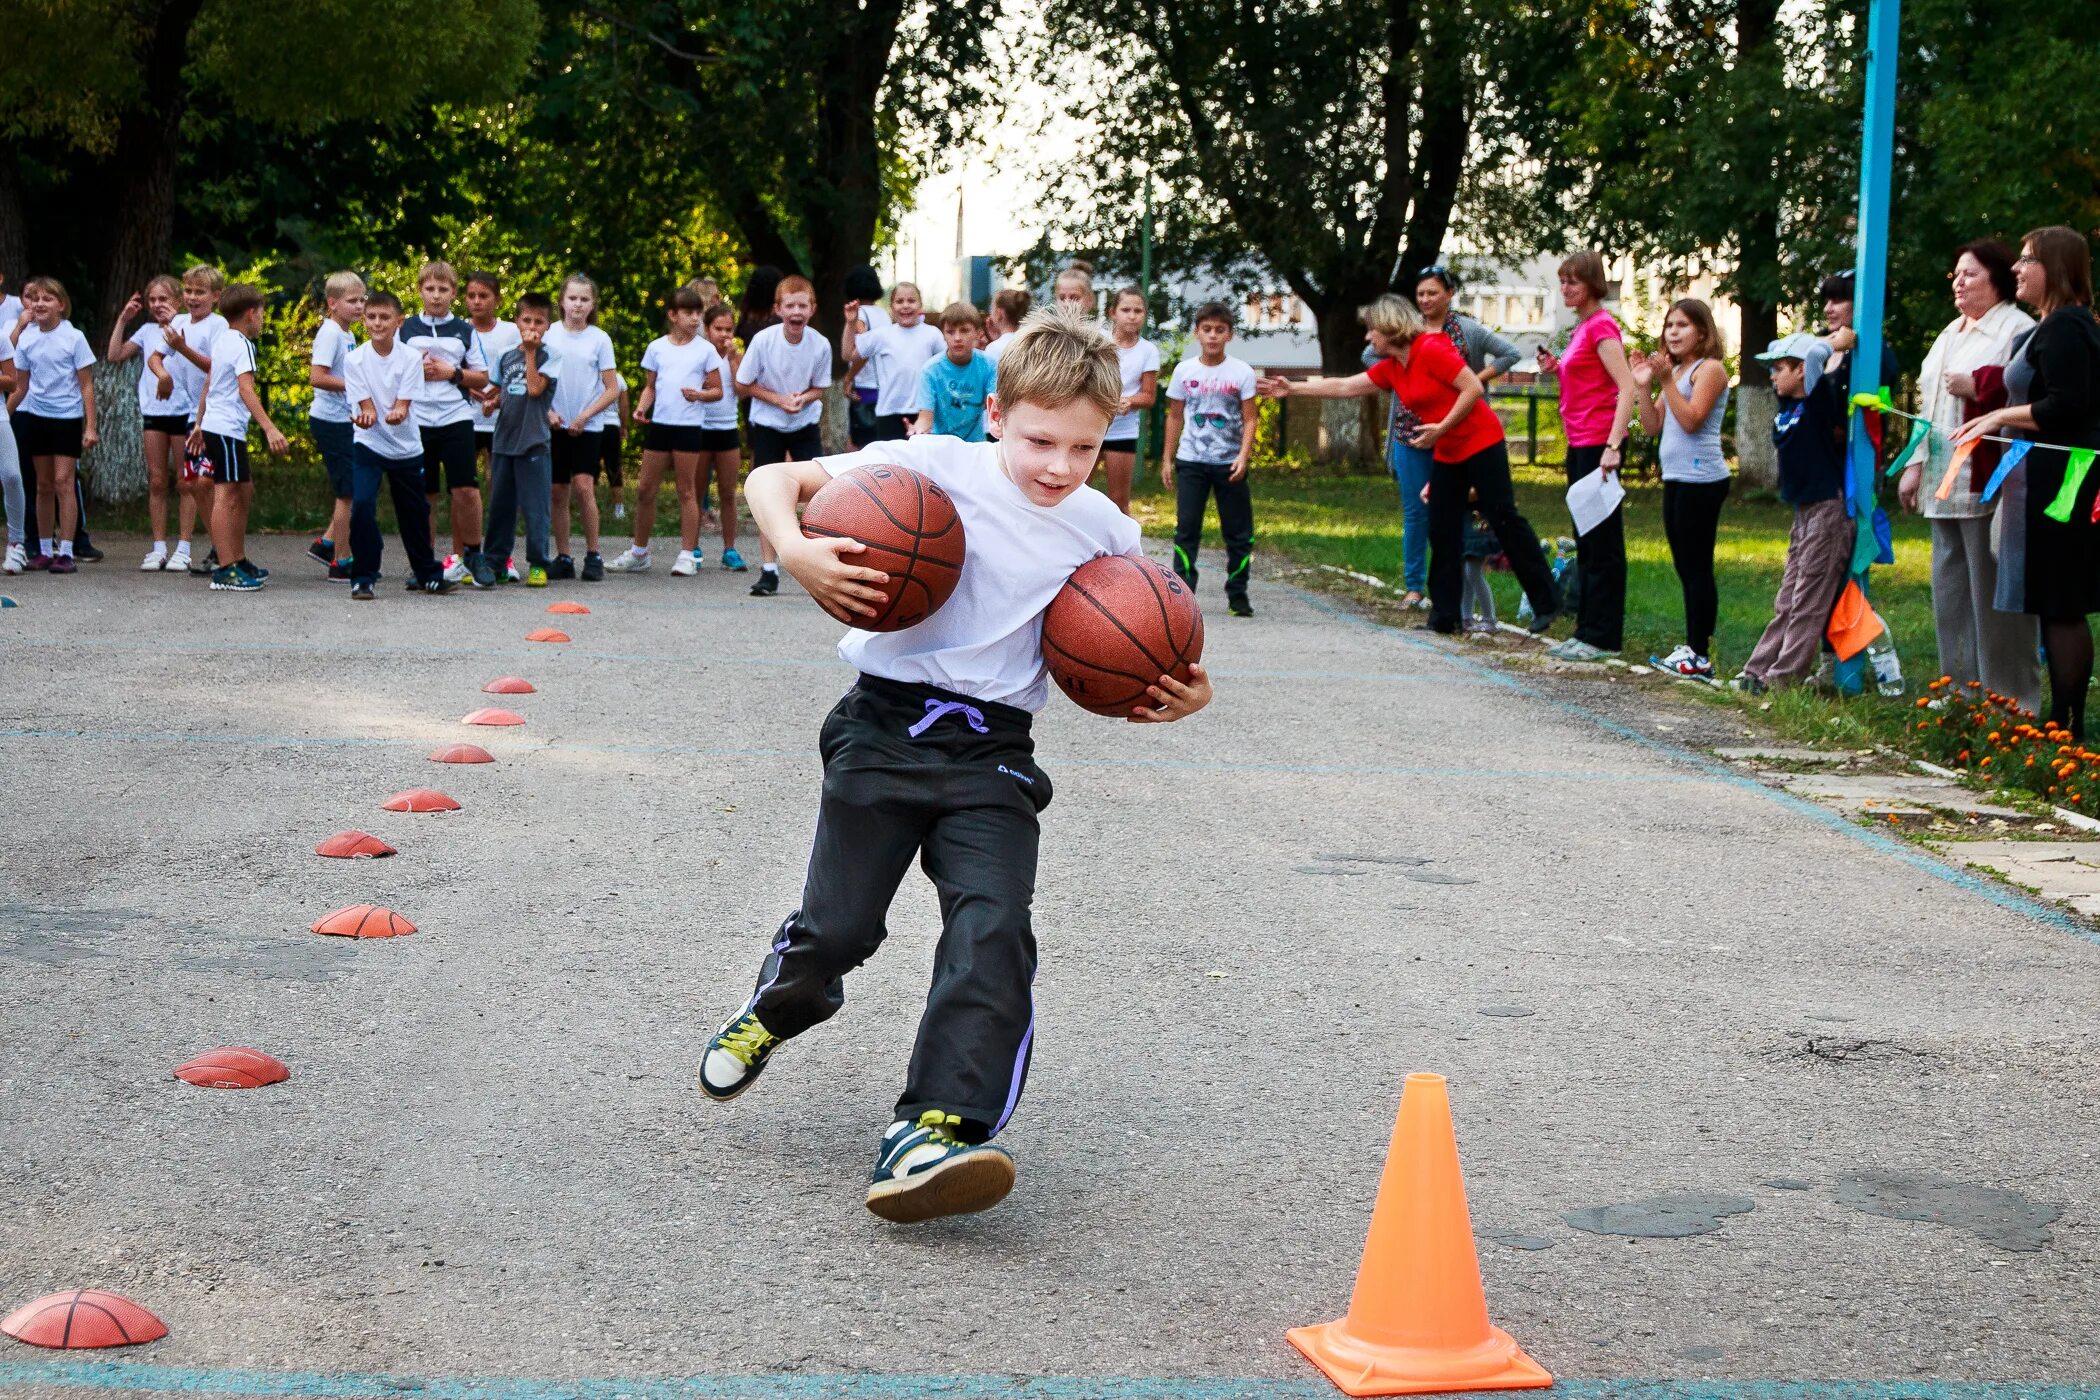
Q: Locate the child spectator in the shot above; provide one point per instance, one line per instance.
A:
(53, 405)
(1140, 361)
(954, 386)
(1809, 433)
(613, 425)
(453, 372)
(1010, 308)
(682, 375)
(521, 472)
(382, 380)
(16, 558)
(587, 384)
(179, 369)
(228, 405)
(1210, 439)
(494, 338)
(786, 368)
(1684, 396)
(163, 433)
(864, 296)
(329, 418)
(721, 450)
(896, 352)
(929, 756)
(1074, 287)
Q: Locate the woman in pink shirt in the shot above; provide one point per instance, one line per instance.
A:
(1598, 401)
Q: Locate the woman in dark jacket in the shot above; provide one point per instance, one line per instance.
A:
(2049, 567)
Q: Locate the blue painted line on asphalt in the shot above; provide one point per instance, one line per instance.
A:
(147, 1379)
(1720, 772)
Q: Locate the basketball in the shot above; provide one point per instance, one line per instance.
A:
(910, 530)
(1117, 626)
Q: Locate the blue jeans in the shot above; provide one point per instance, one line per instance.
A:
(403, 477)
(1411, 467)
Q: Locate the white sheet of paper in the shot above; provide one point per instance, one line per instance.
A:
(1592, 499)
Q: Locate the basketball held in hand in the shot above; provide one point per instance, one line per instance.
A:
(910, 531)
(1116, 627)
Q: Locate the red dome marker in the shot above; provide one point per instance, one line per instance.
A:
(508, 685)
(353, 845)
(420, 800)
(233, 1067)
(85, 1317)
(363, 921)
(462, 753)
(568, 609)
(546, 634)
(495, 717)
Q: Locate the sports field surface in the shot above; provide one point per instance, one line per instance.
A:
(490, 1175)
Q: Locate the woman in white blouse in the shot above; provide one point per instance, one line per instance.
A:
(1962, 378)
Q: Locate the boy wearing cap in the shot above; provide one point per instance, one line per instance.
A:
(1809, 434)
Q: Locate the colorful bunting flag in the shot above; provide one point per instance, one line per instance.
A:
(1956, 461)
(2013, 455)
(1919, 431)
(2075, 469)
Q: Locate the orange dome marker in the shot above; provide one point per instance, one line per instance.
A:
(353, 845)
(420, 800)
(495, 717)
(569, 609)
(363, 921)
(1418, 1320)
(85, 1317)
(233, 1067)
(546, 634)
(507, 685)
(462, 753)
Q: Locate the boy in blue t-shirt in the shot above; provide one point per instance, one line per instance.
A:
(954, 386)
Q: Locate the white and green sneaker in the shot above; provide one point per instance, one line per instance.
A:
(1575, 649)
(735, 1055)
(925, 1171)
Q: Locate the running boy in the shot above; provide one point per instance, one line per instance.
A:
(953, 387)
(786, 369)
(453, 370)
(929, 755)
(163, 432)
(329, 418)
(382, 380)
(1210, 438)
(896, 352)
(521, 472)
(221, 437)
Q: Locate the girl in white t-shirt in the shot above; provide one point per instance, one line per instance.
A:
(721, 452)
(54, 414)
(1075, 287)
(586, 384)
(1139, 359)
(163, 431)
(682, 375)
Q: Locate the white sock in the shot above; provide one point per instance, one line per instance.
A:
(65, 549)
(161, 545)
(769, 568)
(182, 547)
(642, 550)
(48, 549)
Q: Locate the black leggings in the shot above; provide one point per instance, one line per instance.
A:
(1691, 520)
(2068, 643)
(1600, 562)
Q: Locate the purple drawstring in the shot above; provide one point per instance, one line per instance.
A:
(935, 709)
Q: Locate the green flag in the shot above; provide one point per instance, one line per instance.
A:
(1919, 431)
(2075, 469)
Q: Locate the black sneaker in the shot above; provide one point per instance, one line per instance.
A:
(735, 1055)
(593, 569)
(322, 552)
(206, 567)
(481, 571)
(768, 583)
(562, 567)
(251, 569)
(87, 553)
(1238, 605)
(339, 573)
(361, 590)
(436, 583)
(1543, 622)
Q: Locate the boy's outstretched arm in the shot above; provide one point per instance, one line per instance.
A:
(846, 591)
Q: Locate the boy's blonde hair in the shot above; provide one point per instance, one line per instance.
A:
(342, 284)
(1392, 316)
(1060, 357)
(440, 270)
(958, 314)
(206, 276)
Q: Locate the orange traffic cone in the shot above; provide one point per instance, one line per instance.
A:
(1418, 1321)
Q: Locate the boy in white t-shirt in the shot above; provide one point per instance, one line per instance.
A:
(228, 404)
(929, 755)
(896, 352)
(785, 371)
(329, 417)
(381, 381)
(1210, 440)
(683, 374)
(447, 406)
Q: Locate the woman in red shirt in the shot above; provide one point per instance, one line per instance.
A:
(1463, 435)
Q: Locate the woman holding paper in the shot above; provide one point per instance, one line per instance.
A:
(1963, 378)
(2049, 563)
(1470, 458)
(1597, 404)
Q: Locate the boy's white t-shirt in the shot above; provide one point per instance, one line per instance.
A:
(720, 415)
(580, 359)
(1213, 399)
(986, 641)
(53, 360)
(1137, 361)
(385, 380)
(677, 368)
(998, 347)
(897, 354)
(877, 317)
(151, 340)
(786, 368)
(494, 343)
(332, 347)
(440, 402)
(225, 411)
(187, 378)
